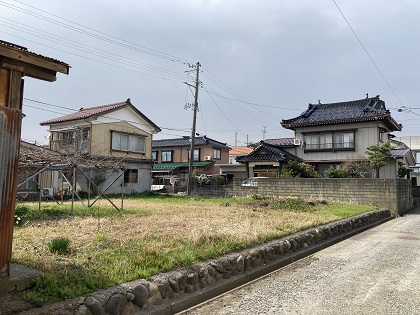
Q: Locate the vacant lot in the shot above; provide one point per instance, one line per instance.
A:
(153, 234)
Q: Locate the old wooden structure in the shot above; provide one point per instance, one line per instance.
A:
(16, 62)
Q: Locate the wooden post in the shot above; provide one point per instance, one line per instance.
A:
(73, 190)
(15, 62)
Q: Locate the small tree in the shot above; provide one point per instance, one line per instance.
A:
(402, 172)
(357, 165)
(98, 178)
(379, 156)
(298, 169)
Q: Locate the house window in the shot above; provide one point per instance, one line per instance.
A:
(216, 154)
(196, 156)
(154, 155)
(68, 139)
(343, 140)
(167, 156)
(128, 142)
(340, 140)
(131, 176)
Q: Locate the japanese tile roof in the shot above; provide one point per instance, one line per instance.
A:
(367, 109)
(240, 150)
(173, 166)
(267, 153)
(185, 141)
(91, 112)
(283, 142)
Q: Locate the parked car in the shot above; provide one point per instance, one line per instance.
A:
(252, 181)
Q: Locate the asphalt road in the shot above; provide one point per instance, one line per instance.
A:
(375, 272)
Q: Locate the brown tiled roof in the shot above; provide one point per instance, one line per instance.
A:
(240, 150)
(85, 113)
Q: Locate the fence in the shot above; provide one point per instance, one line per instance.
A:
(392, 194)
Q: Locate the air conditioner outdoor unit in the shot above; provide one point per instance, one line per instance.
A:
(48, 192)
(296, 142)
(207, 158)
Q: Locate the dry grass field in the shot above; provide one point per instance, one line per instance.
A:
(153, 234)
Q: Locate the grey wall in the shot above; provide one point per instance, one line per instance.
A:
(392, 194)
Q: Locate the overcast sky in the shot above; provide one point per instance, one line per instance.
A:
(262, 61)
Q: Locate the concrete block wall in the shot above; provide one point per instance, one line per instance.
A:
(392, 194)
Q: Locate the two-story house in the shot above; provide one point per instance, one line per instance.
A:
(329, 134)
(118, 132)
(172, 156)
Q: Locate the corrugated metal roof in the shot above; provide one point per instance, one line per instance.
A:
(185, 141)
(399, 153)
(351, 111)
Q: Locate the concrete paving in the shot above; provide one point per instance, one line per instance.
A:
(374, 272)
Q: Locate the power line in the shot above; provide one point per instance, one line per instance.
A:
(91, 32)
(95, 60)
(33, 31)
(367, 53)
(104, 54)
(74, 111)
(222, 111)
(257, 116)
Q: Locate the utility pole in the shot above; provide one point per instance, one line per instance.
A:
(264, 132)
(236, 138)
(195, 106)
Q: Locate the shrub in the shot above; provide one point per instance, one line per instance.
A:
(59, 245)
(298, 169)
(202, 180)
(258, 197)
(341, 172)
(402, 171)
(21, 214)
(292, 203)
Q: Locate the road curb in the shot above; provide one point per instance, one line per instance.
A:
(182, 304)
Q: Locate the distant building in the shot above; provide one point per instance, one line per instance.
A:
(171, 157)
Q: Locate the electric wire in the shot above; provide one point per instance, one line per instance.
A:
(95, 60)
(74, 111)
(367, 53)
(86, 48)
(91, 32)
(257, 116)
(224, 113)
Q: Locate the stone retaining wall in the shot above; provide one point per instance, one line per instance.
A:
(150, 297)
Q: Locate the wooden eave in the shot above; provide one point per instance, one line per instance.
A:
(32, 65)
